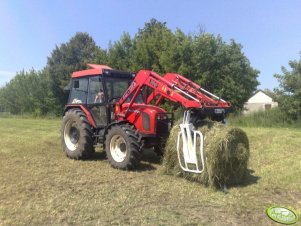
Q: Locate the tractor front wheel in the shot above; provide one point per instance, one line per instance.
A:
(122, 147)
(76, 135)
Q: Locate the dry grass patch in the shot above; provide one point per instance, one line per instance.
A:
(39, 185)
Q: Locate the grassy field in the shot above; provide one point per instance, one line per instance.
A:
(39, 185)
(275, 118)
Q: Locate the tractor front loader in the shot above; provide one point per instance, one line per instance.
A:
(120, 110)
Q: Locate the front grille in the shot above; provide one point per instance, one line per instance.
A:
(164, 121)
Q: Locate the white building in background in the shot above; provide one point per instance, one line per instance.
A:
(260, 101)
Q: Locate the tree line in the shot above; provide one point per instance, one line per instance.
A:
(218, 66)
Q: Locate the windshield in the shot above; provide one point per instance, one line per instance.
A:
(115, 87)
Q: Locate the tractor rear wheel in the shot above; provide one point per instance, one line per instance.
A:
(122, 147)
(76, 135)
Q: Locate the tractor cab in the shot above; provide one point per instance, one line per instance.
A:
(96, 89)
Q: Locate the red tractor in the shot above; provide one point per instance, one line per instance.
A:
(120, 110)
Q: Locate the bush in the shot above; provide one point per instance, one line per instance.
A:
(270, 118)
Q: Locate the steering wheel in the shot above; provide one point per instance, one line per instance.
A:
(113, 98)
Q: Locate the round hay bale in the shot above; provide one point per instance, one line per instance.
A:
(226, 154)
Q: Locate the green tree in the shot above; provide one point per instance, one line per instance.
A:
(119, 54)
(181, 54)
(67, 58)
(223, 69)
(27, 92)
(151, 47)
(289, 90)
(220, 67)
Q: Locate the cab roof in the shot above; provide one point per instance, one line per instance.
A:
(95, 69)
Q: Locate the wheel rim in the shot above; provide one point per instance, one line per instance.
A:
(118, 148)
(71, 135)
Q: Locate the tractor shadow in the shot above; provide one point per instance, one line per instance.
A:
(143, 166)
(97, 156)
(149, 160)
(249, 179)
(149, 157)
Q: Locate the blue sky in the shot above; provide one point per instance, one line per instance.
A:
(270, 31)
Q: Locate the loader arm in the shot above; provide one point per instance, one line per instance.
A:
(160, 86)
(173, 87)
(186, 86)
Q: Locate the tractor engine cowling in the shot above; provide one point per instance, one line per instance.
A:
(148, 119)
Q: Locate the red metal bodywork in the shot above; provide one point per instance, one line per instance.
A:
(95, 70)
(194, 90)
(173, 87)
(161, 87)
(170, 87)
(134, 116)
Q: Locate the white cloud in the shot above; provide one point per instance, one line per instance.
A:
(6, 76)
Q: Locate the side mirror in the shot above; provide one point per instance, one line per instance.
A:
(76, 84)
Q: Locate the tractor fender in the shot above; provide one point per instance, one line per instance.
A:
(85, 110)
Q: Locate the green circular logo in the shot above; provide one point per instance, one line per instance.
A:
(282, 215)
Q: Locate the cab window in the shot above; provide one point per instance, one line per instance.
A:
(96, 94)
(116, 87)
(78, 94)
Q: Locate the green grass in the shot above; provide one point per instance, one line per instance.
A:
(39, 185)
(269, 118)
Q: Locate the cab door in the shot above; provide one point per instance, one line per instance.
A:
(96, 101)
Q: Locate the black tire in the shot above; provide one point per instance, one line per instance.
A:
(122, 147)
(77, 135)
